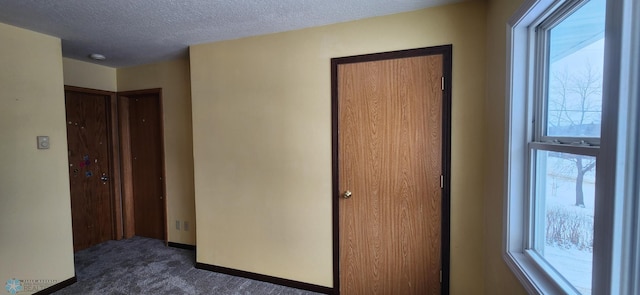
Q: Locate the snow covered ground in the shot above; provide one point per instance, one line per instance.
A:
(573, 263)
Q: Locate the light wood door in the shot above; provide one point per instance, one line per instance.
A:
(390, 160)
(89, 168)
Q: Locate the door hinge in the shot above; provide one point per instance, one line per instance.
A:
(440, 276)
(441, 181)
(442, 83)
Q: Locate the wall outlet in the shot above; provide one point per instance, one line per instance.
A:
(186, 226)
(177, 224)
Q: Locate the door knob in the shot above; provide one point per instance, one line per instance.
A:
(347, 195)
(104, 177)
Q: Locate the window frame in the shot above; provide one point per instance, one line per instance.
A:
(540, 31)
(616, 257)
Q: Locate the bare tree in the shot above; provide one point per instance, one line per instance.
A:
(574, 109)
(583, 167)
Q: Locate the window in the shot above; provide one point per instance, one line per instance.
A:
(564, 147)
(571, 211)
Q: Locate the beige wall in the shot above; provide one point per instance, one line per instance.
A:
(35, 213)
(83, 74)
(173, 78)
(498, 278)
(262, 141)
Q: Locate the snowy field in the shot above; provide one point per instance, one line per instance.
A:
(573, 263)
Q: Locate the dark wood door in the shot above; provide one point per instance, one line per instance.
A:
(147, 168)
(390, 152)
(89, 168)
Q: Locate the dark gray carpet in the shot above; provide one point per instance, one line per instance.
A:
(146, 266)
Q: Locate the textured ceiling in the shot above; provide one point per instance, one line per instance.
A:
(132, 32)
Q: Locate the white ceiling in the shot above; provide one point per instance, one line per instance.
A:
(132, 32)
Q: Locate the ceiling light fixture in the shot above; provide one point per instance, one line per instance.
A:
(97, 56)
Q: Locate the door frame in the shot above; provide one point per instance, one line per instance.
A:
(446, 52)
(114, 155)
(127, 175)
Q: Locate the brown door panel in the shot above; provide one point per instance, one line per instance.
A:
(89, 168)
(147, 169)
(390, 151)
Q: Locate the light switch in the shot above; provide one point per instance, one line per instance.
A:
(43, 142)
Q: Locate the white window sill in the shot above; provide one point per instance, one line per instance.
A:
(534, 279)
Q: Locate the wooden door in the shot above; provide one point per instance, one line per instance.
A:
(89, 168)
(389, 134)
(147, 166)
